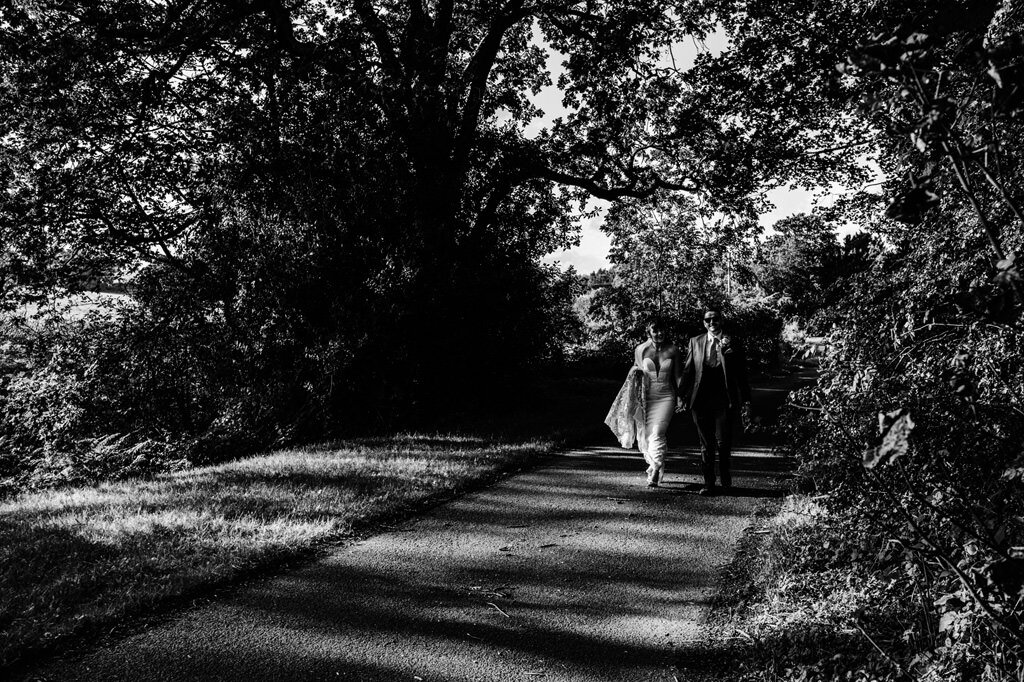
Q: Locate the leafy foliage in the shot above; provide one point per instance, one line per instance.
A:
(671, 262)
(925, 333)
(310, 215)
(320, 205)
(806, 266)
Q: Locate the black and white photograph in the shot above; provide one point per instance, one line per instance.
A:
(497, 340)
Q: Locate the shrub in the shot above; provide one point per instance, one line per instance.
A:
(133, 392)
(913, 433)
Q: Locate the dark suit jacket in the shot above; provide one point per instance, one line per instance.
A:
(735, 366)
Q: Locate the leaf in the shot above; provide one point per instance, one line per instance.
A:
(1015, 472)
(947, 620)
(951, 602)
(894, 428)
(1007, 270)
(994, 72)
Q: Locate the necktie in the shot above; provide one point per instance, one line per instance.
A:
(712, 360)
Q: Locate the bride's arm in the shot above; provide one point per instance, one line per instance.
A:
(686, 379)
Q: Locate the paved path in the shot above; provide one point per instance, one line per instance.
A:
(574, 571)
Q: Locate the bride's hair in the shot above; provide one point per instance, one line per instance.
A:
(657, 322)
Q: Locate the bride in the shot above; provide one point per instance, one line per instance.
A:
(658, 358)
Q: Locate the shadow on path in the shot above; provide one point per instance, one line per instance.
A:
(575, 571)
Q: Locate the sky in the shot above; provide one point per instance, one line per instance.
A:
(592, 252)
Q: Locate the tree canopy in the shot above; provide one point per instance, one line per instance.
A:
(320, 206)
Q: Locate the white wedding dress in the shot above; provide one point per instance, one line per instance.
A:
(661, 403)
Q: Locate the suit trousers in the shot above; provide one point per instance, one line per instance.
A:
(714, 428)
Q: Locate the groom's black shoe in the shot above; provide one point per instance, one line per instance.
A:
(707, 490)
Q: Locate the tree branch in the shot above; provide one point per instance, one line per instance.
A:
(379, 33)
(477, 72)
(284, 31)
(632, 189)
(839, 148)
(443, 25)
(415, 30)
(574, 30)
(986, 226)
(548, 8)
(503, 187)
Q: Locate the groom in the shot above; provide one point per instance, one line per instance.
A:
(713, 387)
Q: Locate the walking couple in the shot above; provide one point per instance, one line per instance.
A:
(711, 382)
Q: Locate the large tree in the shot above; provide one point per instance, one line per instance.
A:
(132, 106)
(119, 115)
(806, 265)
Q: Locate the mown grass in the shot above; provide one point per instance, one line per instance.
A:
(78, 561)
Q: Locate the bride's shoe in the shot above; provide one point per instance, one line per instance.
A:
(653, 477)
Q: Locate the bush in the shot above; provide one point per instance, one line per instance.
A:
(614, 326)
(134, 392)
(761, 326)
(913, 435)
(174, 376)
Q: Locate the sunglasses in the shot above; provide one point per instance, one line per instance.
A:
(713, 319)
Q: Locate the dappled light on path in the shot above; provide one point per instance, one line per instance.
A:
(576, 571)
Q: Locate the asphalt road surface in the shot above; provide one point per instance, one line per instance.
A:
(573, 571)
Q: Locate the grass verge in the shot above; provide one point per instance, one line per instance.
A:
(77, 562)
(786, 611)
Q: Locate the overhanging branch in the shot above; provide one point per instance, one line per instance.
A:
(633, 188)
(381, 38)
(477, 71)
(284, 32)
